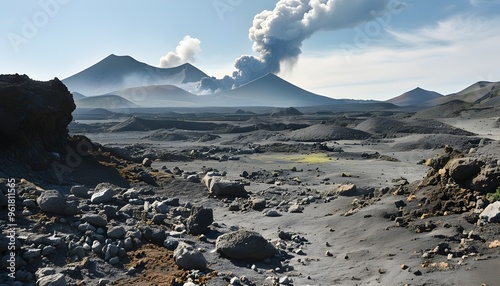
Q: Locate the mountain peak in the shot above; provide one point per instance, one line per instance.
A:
(119, 72)
(417, 97)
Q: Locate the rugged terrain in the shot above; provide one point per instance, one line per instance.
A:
(245, 196)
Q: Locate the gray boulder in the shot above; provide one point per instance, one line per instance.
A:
(52, 201)
(103, 193)
(462, 169)
(223, 187)
(491, 213)
(80, 191)
(155, 235)
(199, 219)
(52, 280)
(95, 220)
(244, 245)
(188, 258)
(116, 232)
(487, 181)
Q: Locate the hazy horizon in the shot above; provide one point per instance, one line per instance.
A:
(342, 49)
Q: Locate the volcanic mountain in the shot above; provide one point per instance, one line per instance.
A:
(415, 97)
(121, 72)
(269, 90)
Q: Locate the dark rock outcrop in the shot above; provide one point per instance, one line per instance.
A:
(34, 116)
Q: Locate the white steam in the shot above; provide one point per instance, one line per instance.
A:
(186, 51)
(277, 35)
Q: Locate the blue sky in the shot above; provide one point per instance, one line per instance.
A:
(441, 45)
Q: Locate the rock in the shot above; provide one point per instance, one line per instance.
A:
(116, 232)
(295, 208)
(188, 258)
(462, 169)
(491, 213)
(199, 220)
(155, 235)
(103, 193)
(346, 190)
(224, 187)
(258, 204)
(95, 220)
(34, 116)
(80, 191)
(52, 201)
(272, 213)
(487, 181)
(111, 250)
(244, 245)
(171, 243)
(147, 162)
(193, 178)
(52, 280)
(46, 271)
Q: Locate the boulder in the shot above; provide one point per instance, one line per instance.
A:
(155, 235)
(103, 193)
(223, 187)
(52, 280)
(244, 245)
(259, 204)
(491, 213)
(52, 201)
(147, 162)
(462, 169)
(188, 258)
(34, 116)
(487, 181)
(95, 220)
(80, 191)
(199, 219)
(116, 232)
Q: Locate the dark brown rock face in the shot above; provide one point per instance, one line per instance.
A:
(34, 116)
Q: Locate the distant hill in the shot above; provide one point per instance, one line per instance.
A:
(77, 95)
(120, 72)
(475, 93)
(104, 101)
(415, 97)
(269, 90)
(159, 95)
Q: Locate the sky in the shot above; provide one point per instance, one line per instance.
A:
(439, 45)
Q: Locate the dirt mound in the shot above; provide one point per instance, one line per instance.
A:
(141, 124)
(325, 132)
(437, 141)
(290, 111)
(165, 135)
(390, 128)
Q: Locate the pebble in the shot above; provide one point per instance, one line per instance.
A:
(328, 253)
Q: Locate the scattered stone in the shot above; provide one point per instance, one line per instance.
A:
(52, 201)
(219, 186)
(295, 208)
(491, 213)
(155, 235)
(244, 245)
(95, 220)
(199, 219)
(116, 232)
(80, 191)
(52, 280)
(259, 204)
(187, 257)
(147, 162)
(272, 213)
(104, 192)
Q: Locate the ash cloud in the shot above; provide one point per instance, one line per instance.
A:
(186, 51)
(277, 35)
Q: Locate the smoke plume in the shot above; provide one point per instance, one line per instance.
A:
(186, 51)
(277, 35)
